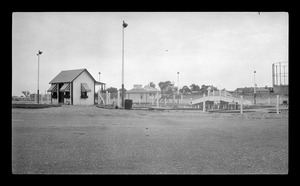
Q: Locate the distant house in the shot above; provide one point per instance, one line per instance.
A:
(262, 90)
(246, 90)
(250, 90)
(74, 87)
(142, 95)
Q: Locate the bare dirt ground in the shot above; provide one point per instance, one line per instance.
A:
(91, 140)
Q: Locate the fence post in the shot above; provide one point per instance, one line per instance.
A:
(277, 105)
(241, 104)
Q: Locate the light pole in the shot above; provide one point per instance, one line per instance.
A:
(38, 91)
(254, 89)
(124, 25)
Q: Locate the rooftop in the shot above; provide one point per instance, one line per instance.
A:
(70, 75)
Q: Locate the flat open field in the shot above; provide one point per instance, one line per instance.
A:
(91, 140)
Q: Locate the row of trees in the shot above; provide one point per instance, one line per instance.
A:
(168, 87)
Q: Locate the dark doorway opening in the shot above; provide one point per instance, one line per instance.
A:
(61, 94)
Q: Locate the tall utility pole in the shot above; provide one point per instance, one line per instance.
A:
(124, 25)
(254, 89)
(38, 89)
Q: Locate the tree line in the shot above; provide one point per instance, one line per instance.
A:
(169, 88)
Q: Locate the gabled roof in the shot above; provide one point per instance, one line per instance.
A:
(151, 89)
(146, 89)
(69, 76)
(136, 90)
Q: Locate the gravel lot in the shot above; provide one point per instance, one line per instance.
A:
(91, 140)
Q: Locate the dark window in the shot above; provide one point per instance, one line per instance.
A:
(83, 95)
(67, 95)
(54, 95)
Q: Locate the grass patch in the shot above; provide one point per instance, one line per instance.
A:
(33, 106)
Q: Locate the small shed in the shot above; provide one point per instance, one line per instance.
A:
(73, 87)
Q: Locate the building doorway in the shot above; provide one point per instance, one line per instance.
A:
(61, 94)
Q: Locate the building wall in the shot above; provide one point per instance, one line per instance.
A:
(83, 78)
(141, 97)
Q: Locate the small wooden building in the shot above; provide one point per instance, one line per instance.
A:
(73, 87)
(141, 95)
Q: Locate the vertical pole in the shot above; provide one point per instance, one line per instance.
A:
(122, 65)
(277, 105)
(269, 100)
(38, 91)
(241, 104)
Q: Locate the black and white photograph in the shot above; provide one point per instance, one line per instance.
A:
(150, 93)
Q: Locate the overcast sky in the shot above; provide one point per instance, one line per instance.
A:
(212, 48)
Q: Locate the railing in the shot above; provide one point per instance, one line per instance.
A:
(222, 98)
